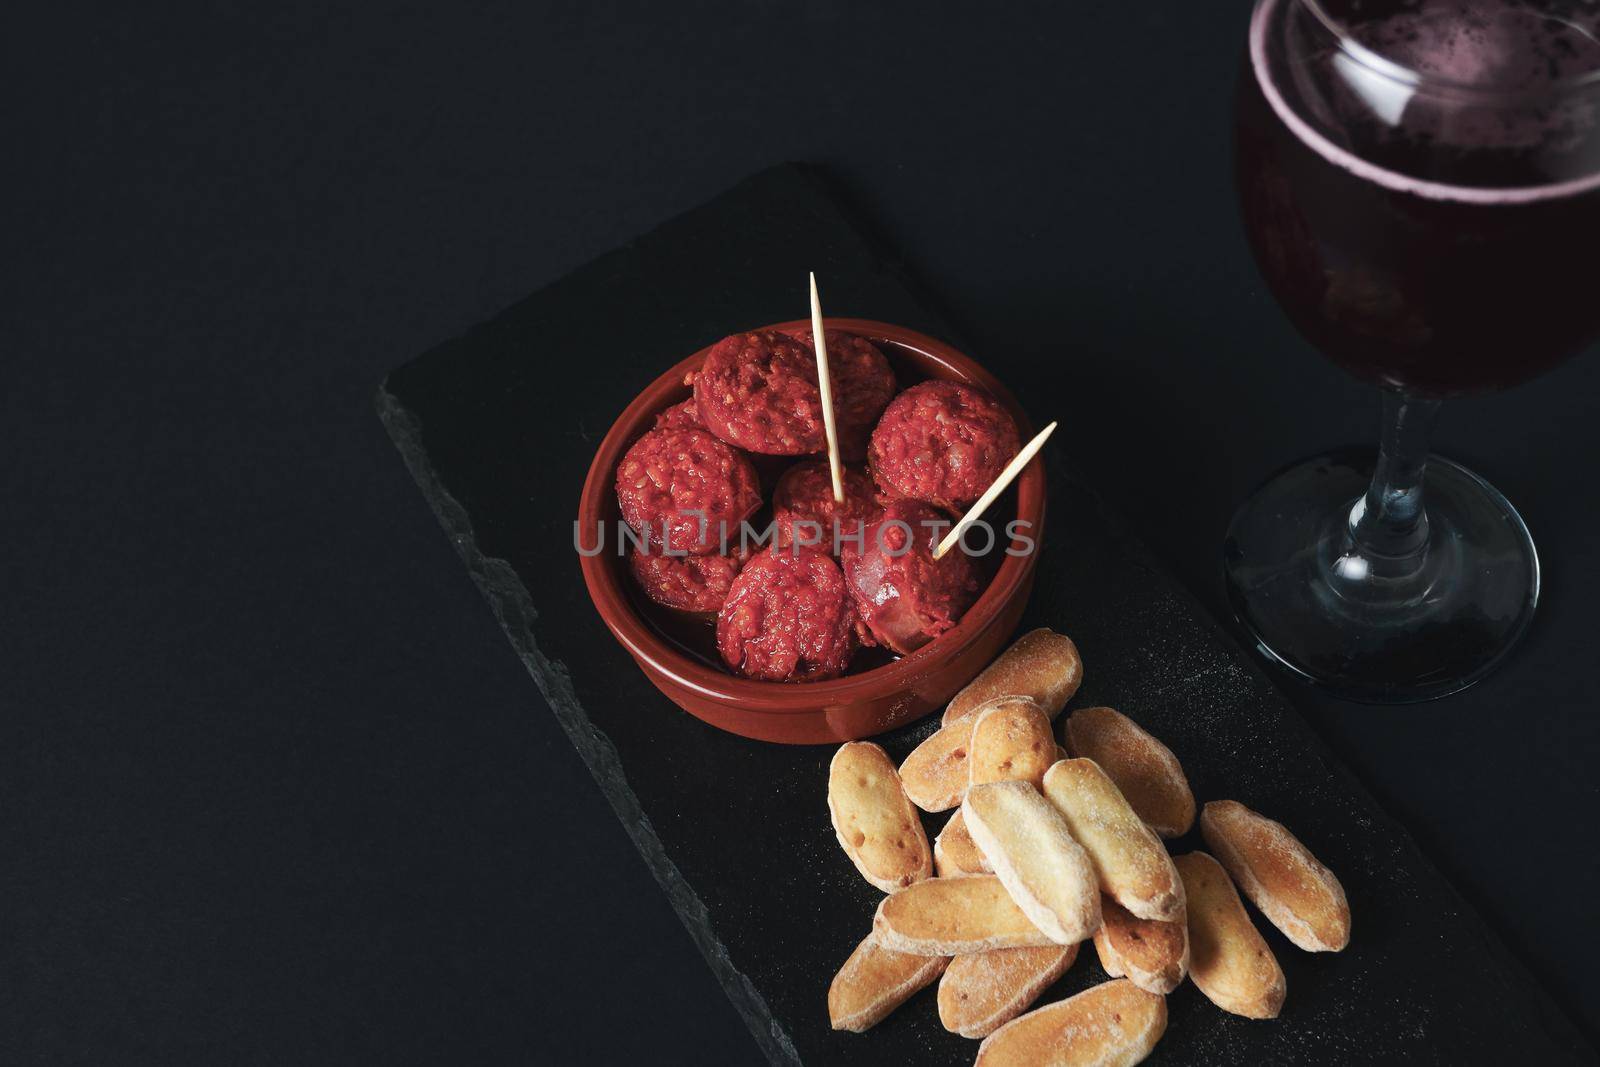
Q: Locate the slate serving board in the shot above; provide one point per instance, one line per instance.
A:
(498, 427)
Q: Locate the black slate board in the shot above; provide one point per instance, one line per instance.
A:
(498, 428)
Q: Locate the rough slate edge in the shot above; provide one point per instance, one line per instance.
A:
(515, 612)
(510, 601)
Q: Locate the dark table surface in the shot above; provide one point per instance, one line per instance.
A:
(272, 786)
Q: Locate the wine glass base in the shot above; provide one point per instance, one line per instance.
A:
(1315, 609)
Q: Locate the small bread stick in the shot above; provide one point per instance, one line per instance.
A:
(1294, 891)
(1228, 959)
(875, 981)
(1132, 864)
(1047, 873)
(1011, 739)
(875, 823)
(953, 917)
(1041, 665)
(1109, 962)
(935, 774)
(955, 854)
(985, 990)
(1115, 1024)
(1149, 775)
(1153, 955)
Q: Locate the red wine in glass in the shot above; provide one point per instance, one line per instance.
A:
(1420, 183)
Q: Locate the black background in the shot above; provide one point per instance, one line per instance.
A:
(272, 787)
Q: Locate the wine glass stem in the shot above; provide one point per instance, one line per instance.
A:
(1390, 523)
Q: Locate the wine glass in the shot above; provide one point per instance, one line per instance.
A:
(1420, 183)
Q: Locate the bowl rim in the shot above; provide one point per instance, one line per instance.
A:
(792, 698)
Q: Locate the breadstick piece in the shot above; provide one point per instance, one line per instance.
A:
(1047, 873)
(955, 854)
(935, 774)
(1042, 665)
(1294, 891)
(1011, 739)
(875, 981)
(1115, 1024)
(983, 991)
(1146, 771)
(952, 917)
(1132, 864)
(875, 823)
(1153, 955)
(1108, 959)
(1228, 959)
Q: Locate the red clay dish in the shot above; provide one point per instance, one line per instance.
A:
(841, 709)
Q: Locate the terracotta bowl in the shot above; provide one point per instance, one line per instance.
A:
(842, 709)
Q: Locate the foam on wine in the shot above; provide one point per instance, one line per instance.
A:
(1476, 48)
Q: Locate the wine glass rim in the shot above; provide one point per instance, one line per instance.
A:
(1398, 72)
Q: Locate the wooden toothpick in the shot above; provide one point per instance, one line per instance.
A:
(825, 387)
(1007, 476)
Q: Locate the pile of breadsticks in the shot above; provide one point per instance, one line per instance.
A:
(1046, 851)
